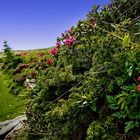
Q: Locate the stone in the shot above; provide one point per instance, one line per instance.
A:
(2, 124)
(30, 83)
(14, 132)
(9, 125)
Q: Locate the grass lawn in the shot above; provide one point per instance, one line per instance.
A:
(10, 105)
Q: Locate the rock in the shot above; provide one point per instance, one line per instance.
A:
(14, 132)
(2, 124)
(30, 83)
(9, 125)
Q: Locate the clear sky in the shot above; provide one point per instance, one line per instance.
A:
(29, 24)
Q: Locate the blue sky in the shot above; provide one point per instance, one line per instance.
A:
(29, 24)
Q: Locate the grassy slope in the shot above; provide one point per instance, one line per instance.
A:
(10, 105)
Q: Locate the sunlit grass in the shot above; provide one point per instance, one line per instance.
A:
(10, 105)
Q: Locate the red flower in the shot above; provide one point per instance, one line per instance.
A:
(49, 61)
(68, 41)
(54, 51)
(138, 87)
(138, 79)
(58, 45)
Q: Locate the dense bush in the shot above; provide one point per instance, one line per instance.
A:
(89, 85)
(91, 89)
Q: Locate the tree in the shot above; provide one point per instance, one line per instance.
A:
(7, 52)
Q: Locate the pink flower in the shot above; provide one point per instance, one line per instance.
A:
(68, 41)
(73, 38)
(58, 45)
(54, 51)
(138, 87)
(138, 79)
(49, 61)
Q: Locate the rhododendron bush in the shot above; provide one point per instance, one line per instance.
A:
(92, 90)
(88, 86)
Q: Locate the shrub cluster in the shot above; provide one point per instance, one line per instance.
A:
(91, 91)
(21, 65)
(88, 87)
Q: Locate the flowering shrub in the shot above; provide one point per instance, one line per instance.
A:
(88, 87)
(54, 51)
(92, 89)
(70, 41)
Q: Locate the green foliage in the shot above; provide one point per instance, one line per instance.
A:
(131, 125)
(88, 87)
(95, 131)
(112, 102)
(90, 92)
(128, 102)
(126, 41)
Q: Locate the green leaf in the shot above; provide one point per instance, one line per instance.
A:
(120, 100)
(120, 115)
(130, 70)
(123, 105)
(121, 95)
(112, 102)
(93, 107)
(130, 125)
(126, 41)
